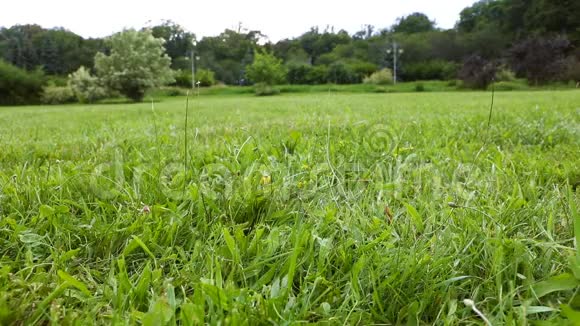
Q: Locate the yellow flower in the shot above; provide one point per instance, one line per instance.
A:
(266, 180)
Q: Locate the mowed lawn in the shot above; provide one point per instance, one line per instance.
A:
(319, 208)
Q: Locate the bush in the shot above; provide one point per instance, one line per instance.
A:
(86, 88)
(381, 77)
(263, 89)
(318, 75)
(339, 73)
(430, 70)
(477, 72)
(57, 95)
(205, 77)
(182, 78)
(299, 74)
(362, 69)
(505, 75)
(419, 87)
(18, 86)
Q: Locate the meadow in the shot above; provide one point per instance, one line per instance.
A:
(410, 208)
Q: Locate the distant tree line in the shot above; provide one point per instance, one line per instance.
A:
(534, 39)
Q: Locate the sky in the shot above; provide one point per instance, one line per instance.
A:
(276, 19)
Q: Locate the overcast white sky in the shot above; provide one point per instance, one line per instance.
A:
(277, 19)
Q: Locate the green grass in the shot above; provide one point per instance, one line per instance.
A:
(318, 208)
(404, 87)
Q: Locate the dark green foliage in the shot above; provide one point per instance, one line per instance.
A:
(299, 74)
(18, 86)
(523, 18)
(56, 50)
(430, 70)
(178, 42)
(318, 75)
(414, 23)
(228, 54)
(573, 70)
(340, 73)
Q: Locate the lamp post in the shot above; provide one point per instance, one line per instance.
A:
(194, 43)
(396, 51)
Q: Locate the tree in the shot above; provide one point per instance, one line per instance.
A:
(540, 59)
(266, 69)
(18, 86)
(177, 40)
(414, 23)
(137, 63)
(228, 54)
(57, 51)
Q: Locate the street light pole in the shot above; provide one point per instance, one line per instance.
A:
(194, 43)
(396, 51)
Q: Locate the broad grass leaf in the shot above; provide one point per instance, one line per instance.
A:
(561, 282)
(72, 281)
(415, 217)
(572, 315)
(539, 309)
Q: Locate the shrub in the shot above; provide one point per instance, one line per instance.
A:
(362, 69)
(340, 73)
(57, 95)
(205, 77)
(505, 75)
(182, 78)
(299, 74)
(18, 86)
(85, 87)
(477, 72)
(381, 77)
(318, 75)
(430, 70)
(263, 89)
(419, 87)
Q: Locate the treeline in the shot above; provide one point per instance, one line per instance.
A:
(533, 39)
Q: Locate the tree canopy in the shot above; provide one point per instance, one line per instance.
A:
(414, 23)
(137, 62)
